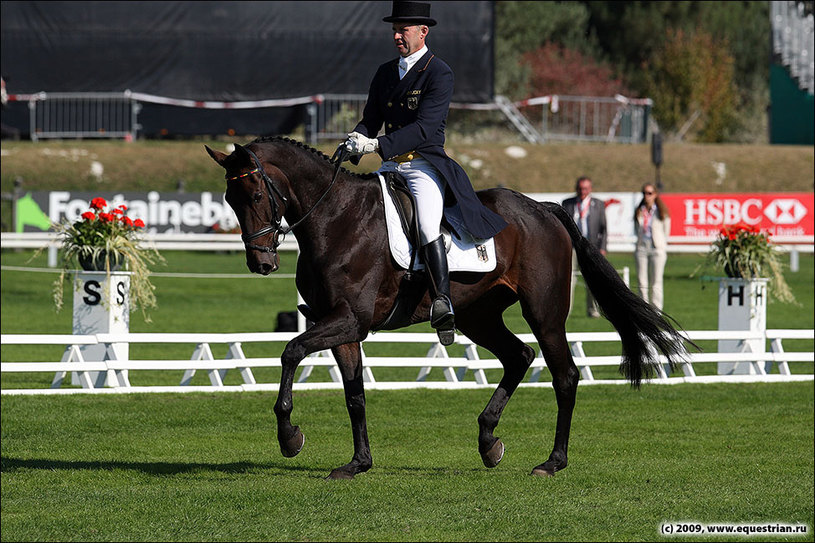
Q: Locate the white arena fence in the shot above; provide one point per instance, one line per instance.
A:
(233, 242)
(455, 369)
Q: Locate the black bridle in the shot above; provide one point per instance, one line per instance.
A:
(340, 155)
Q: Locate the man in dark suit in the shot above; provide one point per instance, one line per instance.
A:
(410, 97)
(590, 216)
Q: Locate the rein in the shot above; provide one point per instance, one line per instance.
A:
(341, 154)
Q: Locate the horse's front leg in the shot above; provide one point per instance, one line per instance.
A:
(349, 360)
(337, 328)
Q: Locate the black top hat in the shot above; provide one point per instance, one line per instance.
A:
(411, 12)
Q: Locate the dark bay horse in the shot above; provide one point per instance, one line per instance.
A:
(349, 281)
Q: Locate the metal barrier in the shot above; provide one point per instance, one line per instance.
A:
(585, 118)
(454, 368)
(333, 116)
(568, 118)
(83, 115)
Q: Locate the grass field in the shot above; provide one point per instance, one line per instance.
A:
(206, 467)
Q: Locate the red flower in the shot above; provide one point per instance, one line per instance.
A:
(107, 217)
(138, 223)
(123, 207)
(98, 203)
(117, 211)
(128, 221)
(89, 215)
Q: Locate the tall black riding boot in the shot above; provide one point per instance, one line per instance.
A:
(441, 310)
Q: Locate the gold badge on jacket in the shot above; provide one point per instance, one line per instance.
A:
(413, 99)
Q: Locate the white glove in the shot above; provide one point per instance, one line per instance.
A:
(360, 145)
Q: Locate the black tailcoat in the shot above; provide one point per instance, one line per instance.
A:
(414, 113)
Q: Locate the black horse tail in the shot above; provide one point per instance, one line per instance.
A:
(639, 324)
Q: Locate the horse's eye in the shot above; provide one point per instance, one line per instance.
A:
(257, 197)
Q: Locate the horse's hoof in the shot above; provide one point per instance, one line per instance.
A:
(340, 473)
(494, 455)
(540, 471)
(292, 446)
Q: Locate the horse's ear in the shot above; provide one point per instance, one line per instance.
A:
(217, 156)
(241, 151)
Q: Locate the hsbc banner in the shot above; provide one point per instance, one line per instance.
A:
(783, 214)
(161, 212)
(787, 216)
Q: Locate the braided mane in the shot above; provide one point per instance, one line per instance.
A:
(317, 152)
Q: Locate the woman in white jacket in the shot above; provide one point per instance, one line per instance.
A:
(652, 223)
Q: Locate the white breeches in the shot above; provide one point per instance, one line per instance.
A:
(427, 186)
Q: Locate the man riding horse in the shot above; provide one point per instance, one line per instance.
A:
(410, 96)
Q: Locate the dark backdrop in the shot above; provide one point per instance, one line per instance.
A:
(226, 51)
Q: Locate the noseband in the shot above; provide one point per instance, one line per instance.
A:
(277, 218)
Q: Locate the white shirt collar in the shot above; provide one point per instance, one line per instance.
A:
(406, 63)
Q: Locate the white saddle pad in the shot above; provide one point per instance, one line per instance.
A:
(469, 254)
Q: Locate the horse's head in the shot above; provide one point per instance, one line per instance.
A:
(255, 196)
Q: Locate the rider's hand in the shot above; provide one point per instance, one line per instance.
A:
(358, 144)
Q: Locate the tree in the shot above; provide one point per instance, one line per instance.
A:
(521, 27)
(691, 82)
(557, 70)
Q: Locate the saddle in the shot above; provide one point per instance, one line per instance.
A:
(413, 285)
(405, 204)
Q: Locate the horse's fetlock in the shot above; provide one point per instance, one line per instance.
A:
(487, 421)
(283, 408)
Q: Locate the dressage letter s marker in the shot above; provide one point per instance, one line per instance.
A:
(120, 289)
(94, 297)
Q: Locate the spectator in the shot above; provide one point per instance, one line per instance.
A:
(590, 216)
(652, 224)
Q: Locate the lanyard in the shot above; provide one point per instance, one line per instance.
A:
(647, 215)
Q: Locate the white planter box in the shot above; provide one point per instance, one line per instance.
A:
(101, 307)
(742, 306)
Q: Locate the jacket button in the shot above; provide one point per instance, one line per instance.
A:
(390, 104)
(390, 125)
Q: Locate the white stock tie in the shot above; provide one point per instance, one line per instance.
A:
(403, 67)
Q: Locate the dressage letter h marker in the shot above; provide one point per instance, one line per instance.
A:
(742, 306)
(731, 295)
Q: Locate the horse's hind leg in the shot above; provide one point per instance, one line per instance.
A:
(565, 376)
(486, 328)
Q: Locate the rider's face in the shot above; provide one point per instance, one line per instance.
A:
(408, 37)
